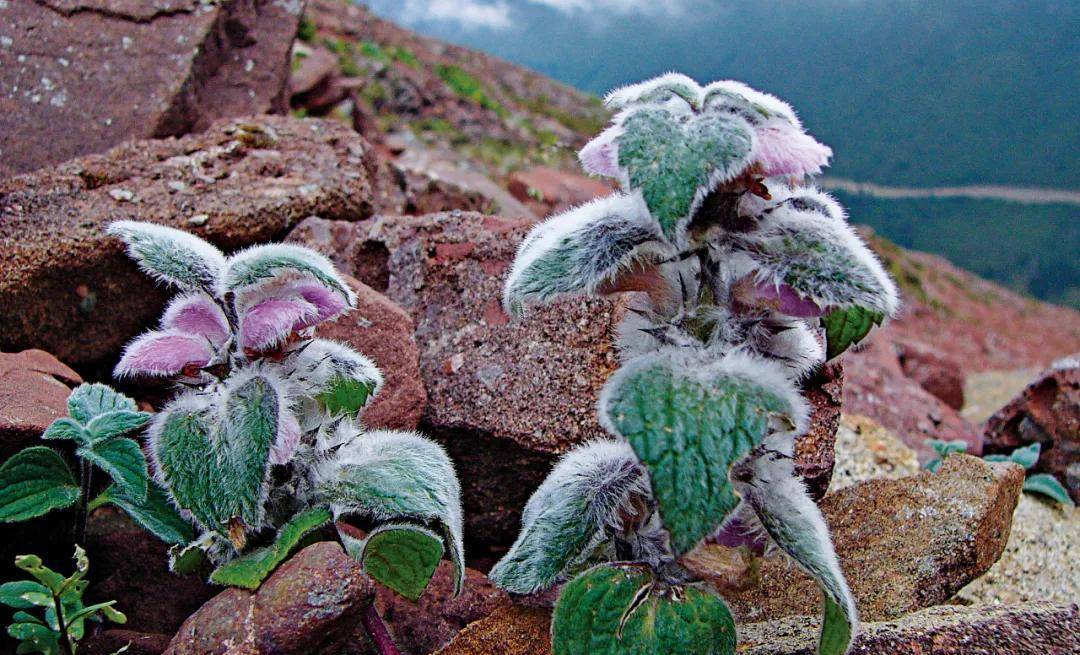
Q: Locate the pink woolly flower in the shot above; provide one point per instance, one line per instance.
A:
(780, 297)
(329, 303)
(784, 149)
(164, 354)
(271, 321)
(197, 314)
(601, 155)
(288, 438)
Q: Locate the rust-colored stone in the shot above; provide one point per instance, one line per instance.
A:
(34, 387)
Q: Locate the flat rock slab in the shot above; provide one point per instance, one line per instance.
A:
(903, 544)
(67, 287)
(34, 387)
(80, 76)
(309, 605)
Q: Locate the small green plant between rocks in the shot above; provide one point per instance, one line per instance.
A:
(743, 268)
(1043, 484)
(50, 616)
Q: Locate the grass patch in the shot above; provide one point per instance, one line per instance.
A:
(467, 86)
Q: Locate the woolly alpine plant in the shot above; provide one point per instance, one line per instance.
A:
(753, 280)
(264, 445)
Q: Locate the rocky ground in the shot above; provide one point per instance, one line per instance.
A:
(417, 167)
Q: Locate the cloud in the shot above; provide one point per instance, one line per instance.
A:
(468, 13)
(648, 7)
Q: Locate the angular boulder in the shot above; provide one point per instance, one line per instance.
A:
(438, 180)
(903, 544)
(67, 287)
(1046, 412)
(867, 451)
(84, 75)
(941, 375)
(549, 190)
(34, 387)
(311, 604)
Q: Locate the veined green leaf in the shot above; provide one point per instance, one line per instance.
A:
(66, 428)
(346, 396)
(115, 423)
(402, 557)
(155, 513)
(34, 482)
(123, 460)
(623, 610)
(88, 401)
(249, 570)
(25, 594)
(847, 327)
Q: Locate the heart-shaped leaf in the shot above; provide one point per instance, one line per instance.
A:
(123, 460)
(624, 610)
(249, 570)
(673, 157)
(33, 482)
(402, 557)
(847, 327)
(690, 423)
(89, 400)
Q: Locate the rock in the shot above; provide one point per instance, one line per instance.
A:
(131, 566)
(381, 330)
(903, 544)
(67, 287)
(876, 387)
(867, 451)
(988, 391)
(34, 387)
(311, 604)
(430, 623)
(814, 451)
(549, 190)
(1036, 629)
(84, 76)
(108, 642)
(510, 630)
(437, 180)
(935, 371)
(1039, 562)
(1047, 412)
(315, 65)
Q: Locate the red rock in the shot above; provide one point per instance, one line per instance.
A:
(550, 190)
(941, 375)
(315, 66)
(92, 74)
(815, 450)
(310, 605)
(1046, 412)
(875, 386)
(252, 179)
(34, 387)
(437, 180)
(381, 330)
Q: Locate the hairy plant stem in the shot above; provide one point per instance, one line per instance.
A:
(86, 477)
(375, 627)
(65, 638)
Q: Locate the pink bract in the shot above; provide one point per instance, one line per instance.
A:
(288, 438)
(163, 354)
(197, 315)
(601, 155)
(271, 321)
(785, 300)
(783, 149)
(329, 303)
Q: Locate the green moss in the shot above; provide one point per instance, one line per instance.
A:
(306, 31)
(586, 123)
(467, 86)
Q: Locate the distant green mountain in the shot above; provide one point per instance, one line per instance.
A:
(908, 93)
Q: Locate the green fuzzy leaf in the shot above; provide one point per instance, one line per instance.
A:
(393, 476)
(154, 514)
(933, 465)
(346, 396)
(170, 255)
(622, 610)
(1027, 456)
(670, 158)
(402, 557)
(25, 594)
(946, 448)
(690, 428)
(88, 401)
(34, 482)
(123, 460)
(115, 423)
(847, 327)
(992, 458)
(218, 471)
(249, 570)
(1048, 485)
(266, 262)
(835, 629)
(66, 428)
(184, 560)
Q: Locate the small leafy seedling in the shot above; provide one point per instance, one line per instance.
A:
(745, 270)
(50, 616)
(1038, 483)
(37, 480)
